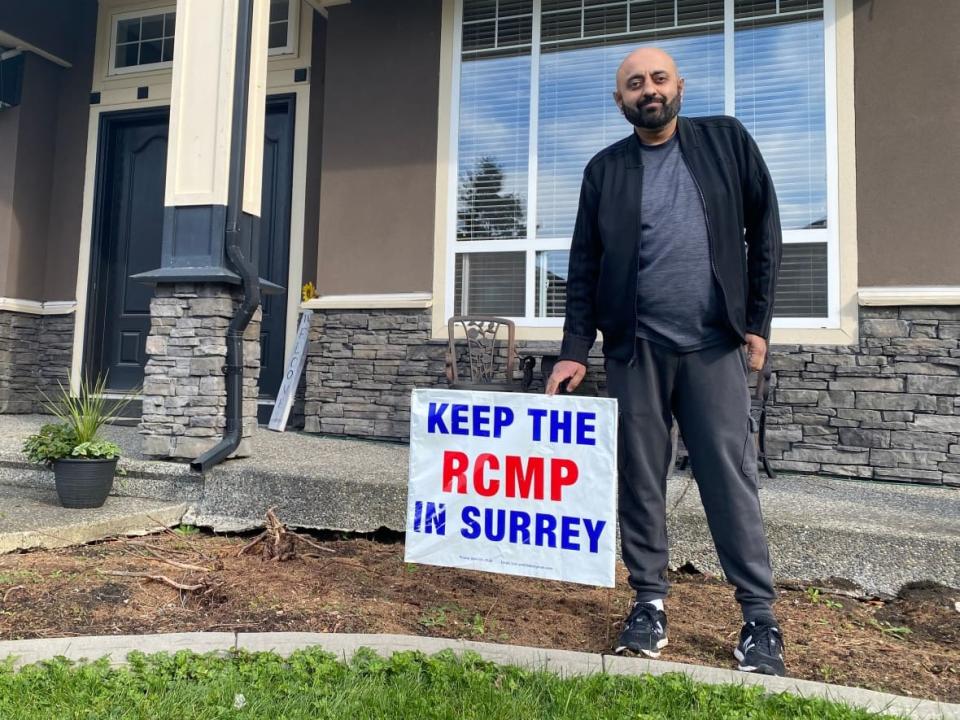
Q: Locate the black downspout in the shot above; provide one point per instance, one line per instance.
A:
(249, 279)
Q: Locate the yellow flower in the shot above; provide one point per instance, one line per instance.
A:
(308, 292)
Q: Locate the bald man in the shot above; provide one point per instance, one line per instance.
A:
(674, 258)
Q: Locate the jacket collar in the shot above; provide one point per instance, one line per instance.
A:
(686, 131)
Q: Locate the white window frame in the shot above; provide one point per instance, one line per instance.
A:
(531, 245)
(293, 31)
(115, 24)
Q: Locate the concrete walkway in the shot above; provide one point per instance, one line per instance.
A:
(561, 662)
(878, 535)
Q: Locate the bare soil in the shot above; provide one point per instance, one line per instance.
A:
(909, 645)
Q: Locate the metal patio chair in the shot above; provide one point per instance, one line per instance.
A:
(483, 356)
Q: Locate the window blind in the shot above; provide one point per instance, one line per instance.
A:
(490, 284)
(779, 98)
(802, 286)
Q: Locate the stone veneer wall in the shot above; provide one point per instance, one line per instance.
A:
(885, 409)
(184, 388)
(35, 353)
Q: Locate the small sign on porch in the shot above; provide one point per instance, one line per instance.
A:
(288, 389)
(513, 483)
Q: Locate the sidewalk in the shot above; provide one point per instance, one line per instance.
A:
(878, 535)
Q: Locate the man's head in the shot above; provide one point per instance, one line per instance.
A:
(649, 88)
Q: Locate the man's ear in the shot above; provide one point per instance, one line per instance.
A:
(618, 99)
(681, 83)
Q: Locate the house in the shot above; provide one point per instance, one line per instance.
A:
(422, 159)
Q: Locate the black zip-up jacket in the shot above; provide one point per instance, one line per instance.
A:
(741, 210)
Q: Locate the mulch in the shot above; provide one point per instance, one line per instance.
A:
(173, 582)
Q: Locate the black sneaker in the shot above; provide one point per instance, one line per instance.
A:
(645, 631)
(761, 648)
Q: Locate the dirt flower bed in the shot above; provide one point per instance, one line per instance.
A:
(188, 581)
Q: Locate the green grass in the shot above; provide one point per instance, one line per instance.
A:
(312, 684)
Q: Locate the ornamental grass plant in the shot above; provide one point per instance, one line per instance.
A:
(77, 434)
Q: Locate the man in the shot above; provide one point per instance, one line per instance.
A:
(659, 264)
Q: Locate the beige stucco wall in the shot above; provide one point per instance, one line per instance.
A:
(25, 255)
(41, 183)
(9, 128)
(379, 147)
(66, 208)
(311, 220)
(908, 154)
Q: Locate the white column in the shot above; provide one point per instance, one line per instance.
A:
(201, 103)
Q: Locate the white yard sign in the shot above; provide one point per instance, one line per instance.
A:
(513, 483)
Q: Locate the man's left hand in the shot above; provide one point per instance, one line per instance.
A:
(756, 351)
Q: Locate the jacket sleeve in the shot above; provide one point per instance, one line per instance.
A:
(580, 323)
(763, 237)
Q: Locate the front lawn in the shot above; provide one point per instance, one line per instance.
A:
(312, 684)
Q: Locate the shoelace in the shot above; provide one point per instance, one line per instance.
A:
(643, 612)
(767, 637)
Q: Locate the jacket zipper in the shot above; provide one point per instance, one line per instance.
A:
(636, 274)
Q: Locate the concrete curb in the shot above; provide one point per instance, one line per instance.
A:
(562, 662)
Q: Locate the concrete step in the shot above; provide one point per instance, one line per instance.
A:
(33, 518)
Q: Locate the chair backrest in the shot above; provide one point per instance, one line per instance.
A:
(479, 355)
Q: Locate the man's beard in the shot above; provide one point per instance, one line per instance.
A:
(641, 118)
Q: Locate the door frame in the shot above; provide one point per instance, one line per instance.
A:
(107, 122)
(93, 174)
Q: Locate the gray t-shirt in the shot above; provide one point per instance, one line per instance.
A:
(678, 301)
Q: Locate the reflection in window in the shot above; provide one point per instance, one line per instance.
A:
(493, 147)
(779, 79)
(551, 293)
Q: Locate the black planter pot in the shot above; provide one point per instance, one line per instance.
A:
(84, 483)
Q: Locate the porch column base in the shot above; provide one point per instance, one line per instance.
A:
(184, 387)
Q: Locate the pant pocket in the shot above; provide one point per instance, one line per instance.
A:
(748, 461)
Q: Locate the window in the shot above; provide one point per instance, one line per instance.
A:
(143, 41)
(533, 104)
(284, 18)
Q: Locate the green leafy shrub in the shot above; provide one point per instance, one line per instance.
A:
(57, 441)
(98, 449)
(54, 442)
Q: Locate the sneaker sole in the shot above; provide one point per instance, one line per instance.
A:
(759, 669)
(654, 654)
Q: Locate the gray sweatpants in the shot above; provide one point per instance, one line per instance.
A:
(707, 392)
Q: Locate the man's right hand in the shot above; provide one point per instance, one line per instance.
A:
(569, 370)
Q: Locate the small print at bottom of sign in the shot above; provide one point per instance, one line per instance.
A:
(513, 483)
